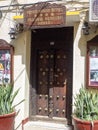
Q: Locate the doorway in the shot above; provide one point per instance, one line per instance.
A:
(51, 72)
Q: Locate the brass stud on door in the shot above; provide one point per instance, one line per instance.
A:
(50, 110)
(57, 96)
(51, 83)
(41, 57)
(65, 82)
(46, 109)
(64, 57)
(57, 110)
(63, 111)
(61, 73)
(41, 69)
(58, 83)
(43, 73)
(50, 97)
(46, 96)
(63, 97)
(47, 56)
(51, 56)
(58, 70)
(51, 69)
(40, 108)
(58, 56)
(40, 83)
(40, 96)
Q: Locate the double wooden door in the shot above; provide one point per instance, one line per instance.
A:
(51, 82)
(51, 73)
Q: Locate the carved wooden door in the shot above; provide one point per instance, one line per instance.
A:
(51, 70)
(51, 82)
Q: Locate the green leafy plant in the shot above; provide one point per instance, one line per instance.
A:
(7, 96)
(86, 104)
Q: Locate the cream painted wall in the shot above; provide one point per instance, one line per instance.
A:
(5, 27)
(78, 58)
(21, 75)
(21, 63)
(79, 55)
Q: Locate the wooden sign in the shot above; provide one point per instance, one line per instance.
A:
(44, 15)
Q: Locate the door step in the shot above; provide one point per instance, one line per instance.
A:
(38, 125)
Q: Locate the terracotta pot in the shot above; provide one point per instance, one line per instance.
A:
(85, 125)
(7, 121)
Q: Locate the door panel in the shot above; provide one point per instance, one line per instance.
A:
(59, 86)
(42, 83)
(51, 91)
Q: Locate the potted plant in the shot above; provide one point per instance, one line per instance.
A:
(85, 114)
(7, 109)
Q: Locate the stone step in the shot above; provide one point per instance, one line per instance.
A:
(38, 125)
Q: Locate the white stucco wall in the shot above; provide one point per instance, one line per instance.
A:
(78, 58)
(79, 55)
(21, 66)
(21, 74)
(5, 27)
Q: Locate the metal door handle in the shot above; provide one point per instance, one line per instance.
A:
(65, 82)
